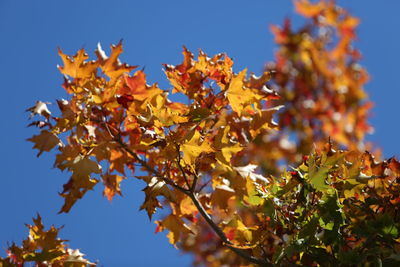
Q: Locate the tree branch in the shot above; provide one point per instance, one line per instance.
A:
(149, 168)
(240, 252)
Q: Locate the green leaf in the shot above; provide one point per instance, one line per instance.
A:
(318, 176)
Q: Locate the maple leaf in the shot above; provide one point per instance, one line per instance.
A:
(41, 109)
(40, 246)
(112, 185)
(240, 97)
(224, 147)
(80, 182)
(81, 166)
(136, 87)
(175, 225)
(178, 75)
(44, 248)
(45, 141)
(77, 66)
(155, 188)
(74, 190)
(111, 66)
(319, 175)
(193, 147)
(118, 159)
(166, 113)
(263, 120)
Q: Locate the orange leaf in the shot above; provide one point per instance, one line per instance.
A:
(77, 67)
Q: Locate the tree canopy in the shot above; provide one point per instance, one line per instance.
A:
(269, 170)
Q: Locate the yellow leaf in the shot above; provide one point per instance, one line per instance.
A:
(194, 147)
(187, 207)
(225, 148)
(240, 97)
(175, 225)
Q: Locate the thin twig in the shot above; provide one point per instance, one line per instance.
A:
(178, 161)
(196, 178)
(203, 185)
(149, 168)
(240, 252)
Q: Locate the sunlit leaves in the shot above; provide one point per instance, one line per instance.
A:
(193, 147)
(44, 248)
(215, 160)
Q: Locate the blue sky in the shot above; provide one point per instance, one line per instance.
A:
(116, 233)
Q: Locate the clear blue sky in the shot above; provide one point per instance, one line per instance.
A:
(117, 234)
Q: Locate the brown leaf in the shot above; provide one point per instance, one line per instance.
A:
(45, 141)
(112, 185)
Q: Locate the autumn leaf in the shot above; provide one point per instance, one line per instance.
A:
(155, 188)
(318, 175)
(111, 66)
(81, 166)
(193, 147)
(136, 87)
(187, 207)
(308, 9)
(175, 225)
(221, 195)
(112, 185)
(41, 109)
(43, 247)
(242, 98)
(225, 147)
(77, 66)
(45, 141)
(80, 182)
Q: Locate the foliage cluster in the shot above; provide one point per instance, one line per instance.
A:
(215, 163)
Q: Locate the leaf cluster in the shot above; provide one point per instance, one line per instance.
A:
(212, 158)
